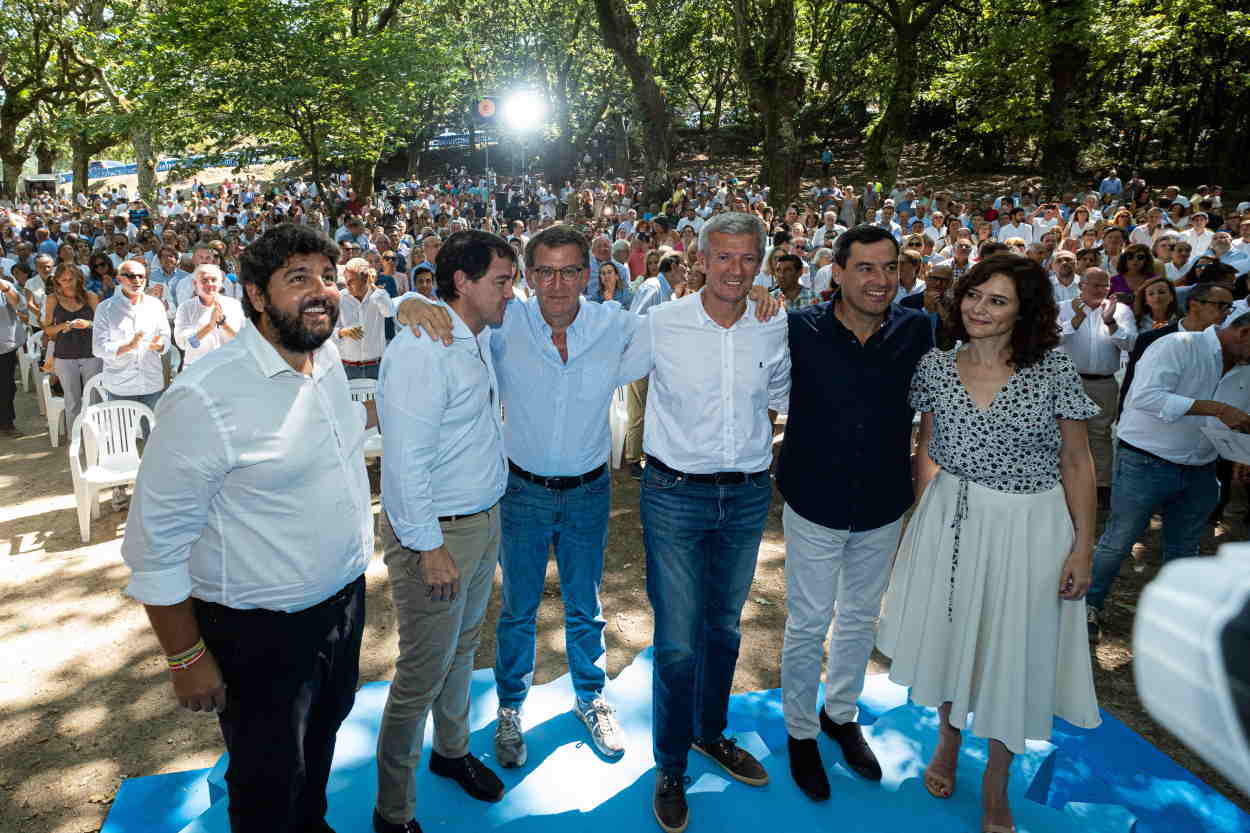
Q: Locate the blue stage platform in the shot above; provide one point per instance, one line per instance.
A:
(1108, 780)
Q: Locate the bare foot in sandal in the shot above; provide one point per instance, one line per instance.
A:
(939, 775)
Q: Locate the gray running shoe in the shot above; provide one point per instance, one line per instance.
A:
(600, 719)
(510, 748)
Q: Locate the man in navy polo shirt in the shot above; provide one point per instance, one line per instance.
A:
(846, 478)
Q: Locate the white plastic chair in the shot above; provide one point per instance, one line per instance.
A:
(27, 358)
(363, 390)
(54, 407)
(618, 420)
(104, 453)
(94, 387)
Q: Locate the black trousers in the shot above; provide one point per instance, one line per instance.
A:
(290, 681)
(8, 387)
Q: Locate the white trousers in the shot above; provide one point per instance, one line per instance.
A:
(830, 570)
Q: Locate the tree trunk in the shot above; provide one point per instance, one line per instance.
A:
(45, 156)
(622, 146)
(81, 164)
(362, 177)
(764, 31)
(11, 164)
(1067, 62)
(887, 136)
(620, 34)
(145, 160)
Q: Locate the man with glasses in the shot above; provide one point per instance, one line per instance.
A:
(131, 334)
(1096, 330)
(1063, 277)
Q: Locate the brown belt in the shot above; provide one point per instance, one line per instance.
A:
(362, 364)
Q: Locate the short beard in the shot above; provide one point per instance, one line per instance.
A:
(292, 334)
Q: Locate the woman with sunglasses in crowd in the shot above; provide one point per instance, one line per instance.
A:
(1133, 268)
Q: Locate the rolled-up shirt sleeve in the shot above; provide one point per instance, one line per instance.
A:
(411, 415)
(1158, 375)
(184, 466)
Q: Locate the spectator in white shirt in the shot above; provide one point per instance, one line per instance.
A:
(1050, 219)
(184, 288)
(1063, 278)
(360, 332)
(1198, 235)
(825, 235)
(1097, 331)
(705, 496)
(131, 334)
(1164, 459)
(1016, 228)
(443, 473)
(250, 533)
(208, 320)
(1149, 230)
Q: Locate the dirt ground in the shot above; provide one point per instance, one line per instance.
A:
(85, 700)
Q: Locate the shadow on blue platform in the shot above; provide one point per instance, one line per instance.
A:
(1108, 780)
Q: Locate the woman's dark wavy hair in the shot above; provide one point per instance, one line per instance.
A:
(1037, 324)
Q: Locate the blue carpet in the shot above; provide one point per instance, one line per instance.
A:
(1107, 780)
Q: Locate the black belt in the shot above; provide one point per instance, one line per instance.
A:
(720, 478)
(1153, 456)
(560, 484)
(1096, 377)
(446, 519)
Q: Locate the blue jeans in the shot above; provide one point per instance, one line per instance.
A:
(702, 541)
(575, 522)
(1187, 494)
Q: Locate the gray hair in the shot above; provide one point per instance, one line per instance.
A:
(733, 222)
(1103, 272)
(620, 250)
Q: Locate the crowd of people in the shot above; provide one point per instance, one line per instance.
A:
(1061, 351)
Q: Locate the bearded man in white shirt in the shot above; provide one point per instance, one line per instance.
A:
(361, 329)
(208, 320)
(1096, 331)
(259, 604)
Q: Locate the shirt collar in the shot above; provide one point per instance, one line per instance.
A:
(270, 361)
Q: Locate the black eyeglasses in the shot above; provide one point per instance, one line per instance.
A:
(388, 257)
(134, 275)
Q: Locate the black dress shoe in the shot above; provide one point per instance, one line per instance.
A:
(381, 825)
(735, 760)
(807, 770)
(855, 749)
(471, 774)
(669, 803)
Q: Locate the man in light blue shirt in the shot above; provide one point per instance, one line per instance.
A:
(443, 473)
(1111, 185)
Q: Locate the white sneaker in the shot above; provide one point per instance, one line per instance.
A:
(510, 748)
(600, 719)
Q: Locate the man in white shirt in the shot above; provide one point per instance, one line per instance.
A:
(1242, 243)
(1063, 278)
(184, 288)
(910, 264)
(706, 491)
(259, 604)
(208, 320)
(1017, 227)
(1096, 332)
(1183, 381)
(1222, 247)
(1050, 219)
(131, 334)
(1198, 235)
(360, 333)
(885, 219)
(443, 473)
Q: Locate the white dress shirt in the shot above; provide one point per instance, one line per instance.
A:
(825, 236)
(1063, 293)
(117, 319)
(1010, 230)
(1200, 242)
(1171, 375)
(712, 387)
(253, 491)
(191, 318)
(442, 436)
(1094, 348)
(372, 312)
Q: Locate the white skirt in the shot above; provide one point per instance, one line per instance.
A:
(998, 643)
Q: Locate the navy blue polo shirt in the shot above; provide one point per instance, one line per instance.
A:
(846, 458)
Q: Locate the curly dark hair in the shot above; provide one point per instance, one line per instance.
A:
(1037, 323)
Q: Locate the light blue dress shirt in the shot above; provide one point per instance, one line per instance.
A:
(442, 437)
(652, 292)
(558, 412)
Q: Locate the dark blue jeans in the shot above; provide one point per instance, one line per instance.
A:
(702, 541)
(575, 522)
(1141, 483)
